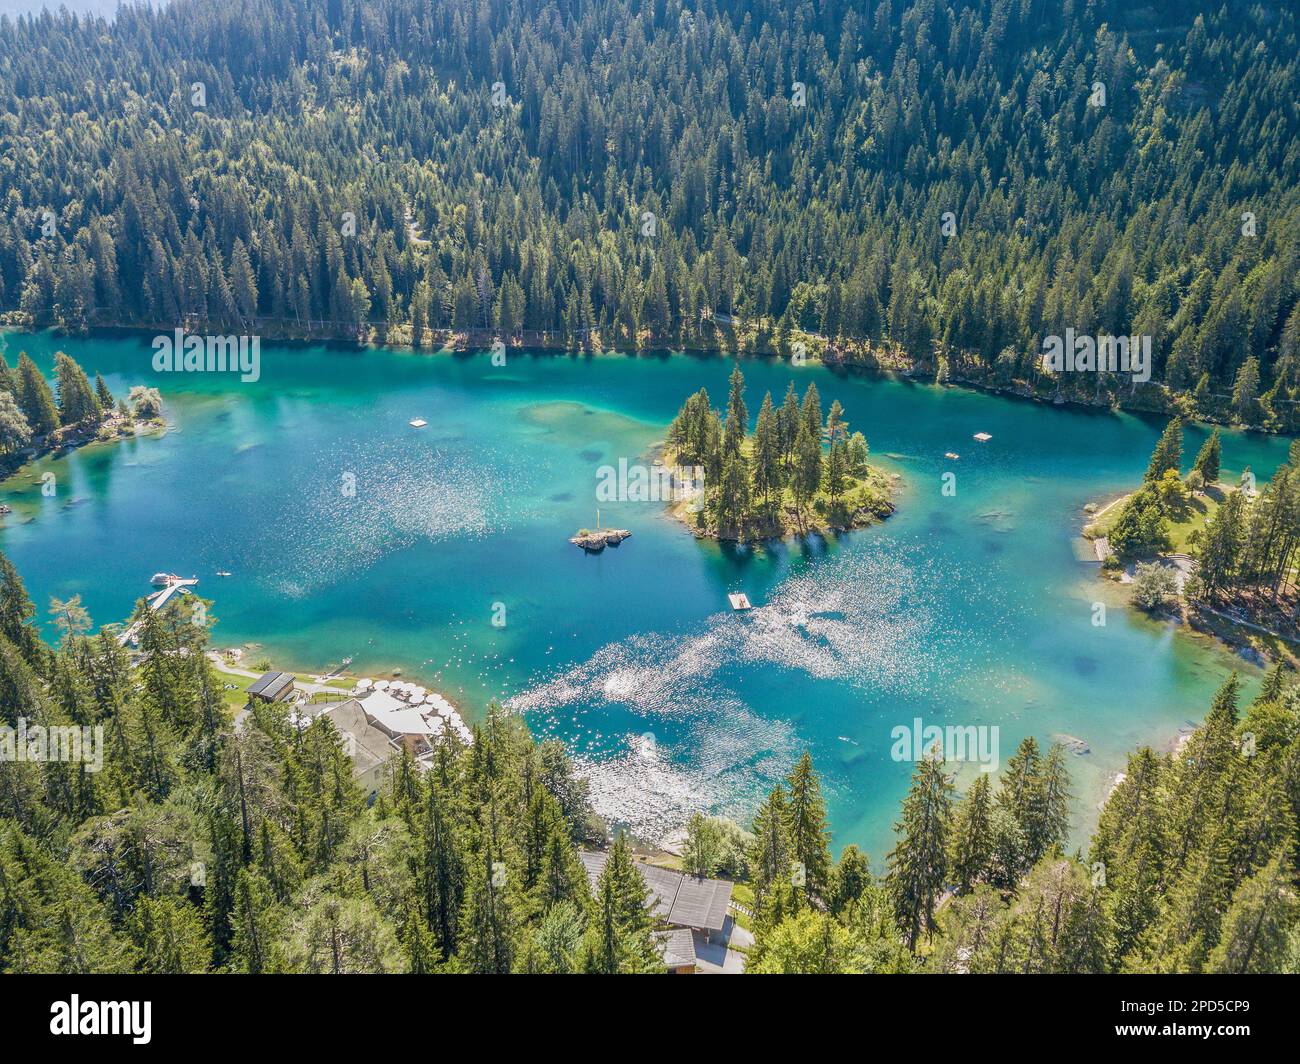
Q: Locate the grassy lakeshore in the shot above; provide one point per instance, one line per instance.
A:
(1258, 629)
(1192, 518)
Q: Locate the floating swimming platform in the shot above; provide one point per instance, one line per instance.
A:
(739, 601)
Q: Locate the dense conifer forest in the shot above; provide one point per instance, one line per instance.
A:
(917, 185)
(930, 185)
(201, 846)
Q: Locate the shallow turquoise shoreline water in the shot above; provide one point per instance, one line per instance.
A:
(972, 609)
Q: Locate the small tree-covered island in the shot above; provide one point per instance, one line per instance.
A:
(794, 474)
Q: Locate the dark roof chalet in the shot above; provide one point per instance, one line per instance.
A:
(271, 685)
(682, 900)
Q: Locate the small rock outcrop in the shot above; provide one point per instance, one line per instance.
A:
(596, 541)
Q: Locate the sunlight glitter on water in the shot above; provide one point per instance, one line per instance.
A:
(855, 618)
(403, 496)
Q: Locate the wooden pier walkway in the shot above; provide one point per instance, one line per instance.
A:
(156, 602)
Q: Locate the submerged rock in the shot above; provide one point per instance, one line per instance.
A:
(1074, 744)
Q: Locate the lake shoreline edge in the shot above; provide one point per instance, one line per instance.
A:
(860, 356)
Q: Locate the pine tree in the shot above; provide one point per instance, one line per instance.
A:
(809, 834)
(105, 397)
(489, 921)
(1207, 459)
(1202, 785)
(970, 851)
(918, 865)
(1022, 795)
(771, 860)
(732, 500)
(35, 398)
(243, 283)
(1168, 452)
(417, 941)
(787, 423)
(16, 613)
(766, 469)
(851, 880)
(557, 940)
(1274, 682)
(442, 867)
(1055, 788)
(170, 935)
(278, 862)
(836, 470)
(219, 879)
(1217, 550)
(1186, 930)
(810, 413)
(1245, 390)
(807, 473)
(1256, 929)
(618, 938)
(77, 401)
(737, 421)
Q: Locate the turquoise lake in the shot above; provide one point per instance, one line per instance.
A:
(971, 609)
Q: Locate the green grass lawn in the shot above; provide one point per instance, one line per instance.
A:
(1199, 509)
(743, 893)
(234, 700)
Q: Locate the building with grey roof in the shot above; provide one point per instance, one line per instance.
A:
(675, 898)
(271, 686)
(370, 747)
(678, 947)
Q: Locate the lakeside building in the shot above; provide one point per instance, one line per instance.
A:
(370, 747)
(271, 687)
(678, 948)
(690, 906)
(376, 727)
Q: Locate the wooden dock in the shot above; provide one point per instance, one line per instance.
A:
(157, 600)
